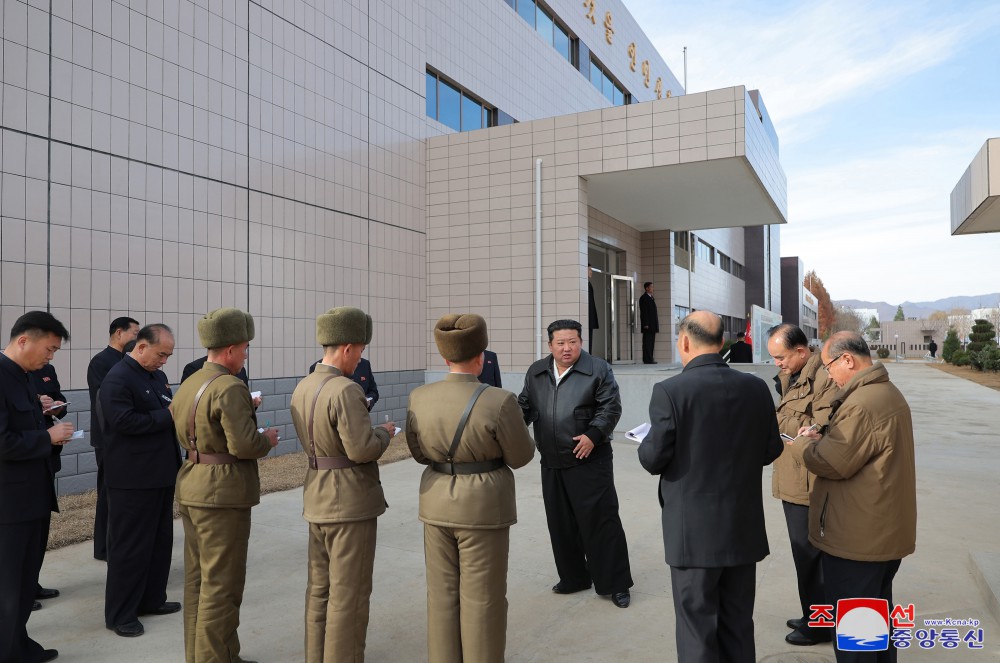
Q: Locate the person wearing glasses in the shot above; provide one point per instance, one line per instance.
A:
(806, 393)
(863, 505)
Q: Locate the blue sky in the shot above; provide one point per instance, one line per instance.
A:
(879, 107)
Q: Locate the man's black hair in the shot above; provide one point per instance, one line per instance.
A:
(645, 286)
(560, 325)
(790, 335)
(123, 323)
(151, 333)
(38, 323)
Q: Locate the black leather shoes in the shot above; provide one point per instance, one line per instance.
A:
(796, 624)
(168, 608)
(49, 655)
(561, 588)
(44, 593)
(800, 639)
(130, 629)
(36, 606)
(622, 599)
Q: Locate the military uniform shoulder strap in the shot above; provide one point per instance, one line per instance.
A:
(465, 419)
(192, 437)
(312, 414)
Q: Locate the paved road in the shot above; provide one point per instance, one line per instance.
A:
(958, 459)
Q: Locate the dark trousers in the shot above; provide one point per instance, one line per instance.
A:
(648, 340)
(808, 570)
(588, 542)
(101, 515)
(848, 579)
(714, 613)
(21, 548)
(141, 537)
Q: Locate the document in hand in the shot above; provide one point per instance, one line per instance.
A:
(638, 433)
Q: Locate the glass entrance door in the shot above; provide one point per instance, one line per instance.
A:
(622, 323)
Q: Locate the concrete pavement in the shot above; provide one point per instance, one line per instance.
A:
(958, 462)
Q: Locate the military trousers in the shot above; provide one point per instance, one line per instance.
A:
(215, 567)
(21, 548)
(466, 594)
(341, 561)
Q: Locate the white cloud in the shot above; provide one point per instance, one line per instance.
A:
(812, 57)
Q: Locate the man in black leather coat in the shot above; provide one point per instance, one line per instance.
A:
(572, 399)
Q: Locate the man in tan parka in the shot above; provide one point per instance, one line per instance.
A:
(217, 485)
(806, 393)
(863, 505)
(470, 436)
(342, 496)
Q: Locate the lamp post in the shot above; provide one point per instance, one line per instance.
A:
(897, 347)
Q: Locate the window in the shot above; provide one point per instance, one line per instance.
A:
(561, 41)
(544, 25)
(705, 252)
(725, 262)
(737, 270)
(602, 80)
(449, 106)
(457, 108)
(681, 240)
(680, 312)
(526, 8)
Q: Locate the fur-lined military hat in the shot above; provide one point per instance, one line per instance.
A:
(224, 327)
(461, 336)
(342, 325)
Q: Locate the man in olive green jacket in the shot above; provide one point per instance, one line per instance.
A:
(467, 501)
(216, 486)
(342, 496)
(863, 505)
(806, 393)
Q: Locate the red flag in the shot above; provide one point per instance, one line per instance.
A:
(748, 338)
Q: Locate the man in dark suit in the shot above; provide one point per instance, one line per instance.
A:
(740, 352)
(364, 377)
(648, 321)
(122, 331)
(197, 364)
(491, 369)
(141, 459)
(54, 408)
(713, 430)
(593, 322)
(27, 482)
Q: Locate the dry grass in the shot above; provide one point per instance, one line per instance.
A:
(989, 379)
(75, 521)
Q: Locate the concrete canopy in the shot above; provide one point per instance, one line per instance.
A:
(974, 206)
(717, 193)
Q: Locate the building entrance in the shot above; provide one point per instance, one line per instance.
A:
(614, 297)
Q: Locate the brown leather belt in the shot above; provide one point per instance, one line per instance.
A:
(200, 458)
(467, 468)
(330, 462)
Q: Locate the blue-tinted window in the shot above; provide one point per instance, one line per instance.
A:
(526, 8)
(432, 97)
(608, 87)
(544, 25)
(619, 98)
(449, 106)
(596, 75)
(561, 42)
(472, 114)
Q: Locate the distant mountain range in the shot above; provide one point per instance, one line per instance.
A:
(887, 311)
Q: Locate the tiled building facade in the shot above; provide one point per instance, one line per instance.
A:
(162, 159)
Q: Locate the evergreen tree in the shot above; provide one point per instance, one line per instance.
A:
(950, 345)
(982, 335)
(899, 314)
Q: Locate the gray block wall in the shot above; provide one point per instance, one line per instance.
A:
(79, 465)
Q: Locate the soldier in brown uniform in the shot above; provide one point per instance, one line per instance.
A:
(342, 496)
(806, 393)
(470, 435)
(216, 486)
